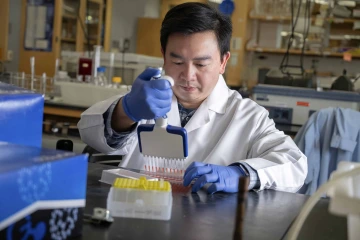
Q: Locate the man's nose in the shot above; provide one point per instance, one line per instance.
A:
(188, 72)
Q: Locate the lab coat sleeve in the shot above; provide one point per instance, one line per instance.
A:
(92, 129)
(114, 139)
(278, 161)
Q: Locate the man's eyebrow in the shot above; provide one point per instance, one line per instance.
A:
(175, 55)
(206, 57)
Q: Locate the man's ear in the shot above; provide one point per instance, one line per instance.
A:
(224, 61)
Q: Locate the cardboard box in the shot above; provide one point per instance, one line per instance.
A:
(270, 34)
(21, 115)
(43, 192)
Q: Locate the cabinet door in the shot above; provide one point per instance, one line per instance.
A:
(93, 19)
(70, 25)
(4, 28)
(148, 37)
(166, 5)
(40, 36)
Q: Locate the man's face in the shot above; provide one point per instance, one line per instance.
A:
(194, 62)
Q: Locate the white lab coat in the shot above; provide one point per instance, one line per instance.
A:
(224, 129)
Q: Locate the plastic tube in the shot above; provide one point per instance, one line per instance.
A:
(56, 69)
(44, 83)
(23, 79)
(310, 203)
(96, 60)
(32, 66)
(111, 68)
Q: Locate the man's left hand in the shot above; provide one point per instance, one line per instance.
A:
(224, 178)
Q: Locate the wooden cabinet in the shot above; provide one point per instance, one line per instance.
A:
(93, 24)
(166, 5)
(148, 37)
(76, 26)
(4, 28)
(45, 60)
(71, 31)
(235, 69)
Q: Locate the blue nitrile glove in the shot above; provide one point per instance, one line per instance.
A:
(148, 99)
(224, 178)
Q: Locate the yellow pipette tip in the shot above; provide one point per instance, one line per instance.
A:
(142, 184)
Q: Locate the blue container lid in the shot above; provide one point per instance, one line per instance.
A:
(101, 69)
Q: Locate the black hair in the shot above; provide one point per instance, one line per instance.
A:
(194, 17)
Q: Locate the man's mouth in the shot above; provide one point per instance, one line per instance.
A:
(188, 89)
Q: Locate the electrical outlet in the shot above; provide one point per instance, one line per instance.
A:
(10, 55)
(234, 58)
(236, 43)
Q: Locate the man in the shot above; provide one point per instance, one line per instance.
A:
(228, 136)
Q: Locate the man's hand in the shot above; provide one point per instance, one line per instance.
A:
(148, 99)
(224, 178)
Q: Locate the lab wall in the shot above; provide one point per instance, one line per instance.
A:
(124, 19)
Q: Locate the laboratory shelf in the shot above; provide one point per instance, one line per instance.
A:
(298, 52)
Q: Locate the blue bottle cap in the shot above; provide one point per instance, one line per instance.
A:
(101, 69)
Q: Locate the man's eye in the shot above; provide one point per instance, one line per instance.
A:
(200, 65)
(177, 63)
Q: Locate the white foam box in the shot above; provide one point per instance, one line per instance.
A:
(136, 203)
(86, 95)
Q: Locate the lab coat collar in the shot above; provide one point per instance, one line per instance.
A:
(173, 115)
(200, 118)
(216, 101)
